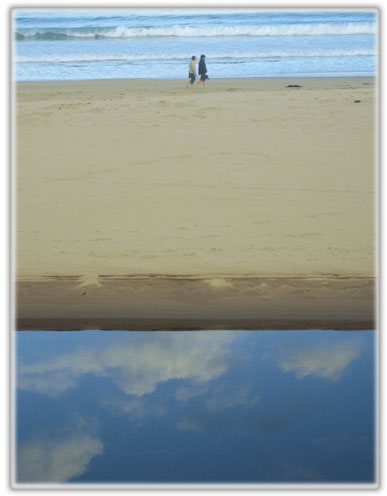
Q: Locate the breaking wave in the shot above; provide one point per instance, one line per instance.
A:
(351, 28)
(187, 56)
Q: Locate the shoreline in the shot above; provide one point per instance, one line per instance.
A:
(278, 76)
(263, 193)
(162, 81)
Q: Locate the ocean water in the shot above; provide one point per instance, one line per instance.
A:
(76, 44)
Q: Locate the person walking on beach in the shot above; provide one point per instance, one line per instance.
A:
(192, 74)
(203, 70)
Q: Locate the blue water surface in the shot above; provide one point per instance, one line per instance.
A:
(97, 44)
(195, 407)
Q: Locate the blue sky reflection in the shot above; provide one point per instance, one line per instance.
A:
(233, 406)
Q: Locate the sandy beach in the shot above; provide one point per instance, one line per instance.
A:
(141, 204)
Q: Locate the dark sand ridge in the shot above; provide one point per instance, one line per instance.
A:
(185, 303)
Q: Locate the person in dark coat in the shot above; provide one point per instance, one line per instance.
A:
(203, 70)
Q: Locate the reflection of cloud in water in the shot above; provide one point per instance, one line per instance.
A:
(136, 364)
(190, 424)
(253, 422)
(137, 407)
(187, 392)
(222, 398)
(46, 380)
(324, 360)
(56, 460)
(222, 401)
(299, 472)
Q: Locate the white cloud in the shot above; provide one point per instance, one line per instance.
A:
(136, 407)
(54, 383)
(223, 398)
(53, 461)
(189, 425)
(187, 392)
(135, 363)
(220, 398)
(324, 360)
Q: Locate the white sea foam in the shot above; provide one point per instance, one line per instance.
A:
(306, 29)
(273, 30)
(187, 56)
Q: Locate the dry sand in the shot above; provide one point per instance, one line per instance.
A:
(245, 205)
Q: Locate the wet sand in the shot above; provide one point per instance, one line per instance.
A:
(141, 204)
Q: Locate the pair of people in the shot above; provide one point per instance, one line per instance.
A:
(192, 74)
